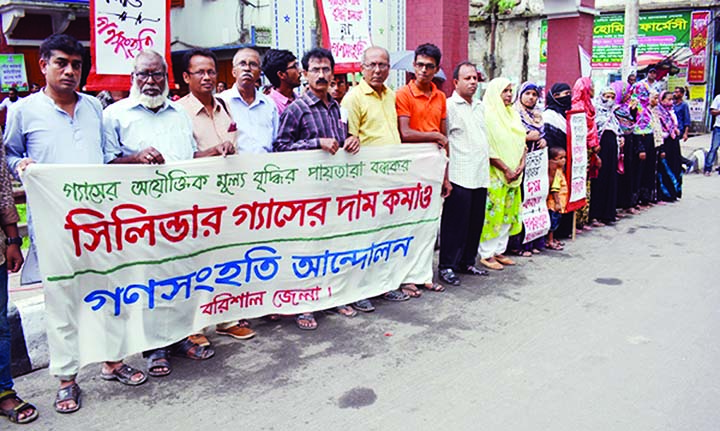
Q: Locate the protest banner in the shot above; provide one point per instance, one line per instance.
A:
(576, 170)
(345, 31)
(12, 72)
(700, 22)
(536, 185)
(119, 30)
(136, 257)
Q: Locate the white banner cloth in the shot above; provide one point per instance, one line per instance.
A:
(136, 257)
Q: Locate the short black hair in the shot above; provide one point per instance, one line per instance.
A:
(554, 151)
(456, 72)
(317, 53)
(429, 50)
(60, 42)
(342, 77)
(681, 89)
(203, 52)
(13, 88)
(276, 60)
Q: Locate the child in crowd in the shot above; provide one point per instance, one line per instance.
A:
(557, 199)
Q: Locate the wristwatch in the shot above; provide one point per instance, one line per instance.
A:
(14, 240)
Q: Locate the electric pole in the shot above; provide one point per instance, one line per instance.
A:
(630, 40)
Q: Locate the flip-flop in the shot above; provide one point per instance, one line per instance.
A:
(124, 374)
(306, 317)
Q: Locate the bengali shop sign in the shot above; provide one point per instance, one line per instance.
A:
(137, 257)
(698, 45)
(345, 31)
(12, 72)
(577, 159)
(119, 30)
(536, 185)
(658, 33)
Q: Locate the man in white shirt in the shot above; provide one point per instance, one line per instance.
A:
(255, 115)
(10, 100)
(150, 129)
(469, 173)
(715, 143)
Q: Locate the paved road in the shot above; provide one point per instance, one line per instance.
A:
(618, 332)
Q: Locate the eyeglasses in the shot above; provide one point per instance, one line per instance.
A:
(428, 66)
(318, 70)
(244, 64)
(201, 73)
(294, 66)
(379, 66)
(156, 76)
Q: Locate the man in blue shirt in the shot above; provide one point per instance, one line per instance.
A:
(682, 112)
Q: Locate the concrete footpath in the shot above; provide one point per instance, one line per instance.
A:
(617, 332)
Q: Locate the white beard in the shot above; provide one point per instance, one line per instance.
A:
(150, 102)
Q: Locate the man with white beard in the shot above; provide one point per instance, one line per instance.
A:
(148, 128)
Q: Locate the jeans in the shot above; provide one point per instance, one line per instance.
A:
(712, 154)
(5, 376)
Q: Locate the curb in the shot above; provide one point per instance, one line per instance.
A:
(28, 345)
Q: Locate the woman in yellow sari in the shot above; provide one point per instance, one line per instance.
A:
(506, 136)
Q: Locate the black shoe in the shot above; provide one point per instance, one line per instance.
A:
(473, 270)
(448, 276)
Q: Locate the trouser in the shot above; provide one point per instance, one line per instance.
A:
(712, 154)
(6, 381)
(495, 246)
(463, 217)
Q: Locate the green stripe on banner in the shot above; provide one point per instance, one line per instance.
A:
(240, 244)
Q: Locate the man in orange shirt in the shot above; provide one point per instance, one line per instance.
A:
(422, 118)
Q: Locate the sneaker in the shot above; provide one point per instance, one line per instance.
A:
(396, 295)
(473, 270)
(363, 305)
(236, 331)
(448, 276)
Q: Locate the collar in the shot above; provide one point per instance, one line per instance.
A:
(280, 97)
(312, 99)
(417, 92)
(460, 101)
(196, 106)
(135, 104)
(367, 89)
(234, 93)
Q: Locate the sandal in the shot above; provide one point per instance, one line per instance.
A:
(554, 246)
(124, 374)
(13, 413)
(396, 295)
(346, 310)
(535, 251)
(70, 393)
(434, 287)
(504, 260)
(525, 253)
(306, 321)
(410, 290)
(200, 340)
(190, 350)
(159, 359)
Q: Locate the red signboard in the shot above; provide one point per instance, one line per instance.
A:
(698, 45)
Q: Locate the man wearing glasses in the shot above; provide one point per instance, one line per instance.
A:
(422, 117)
(372, 119)
(312, 122)
(254, 114)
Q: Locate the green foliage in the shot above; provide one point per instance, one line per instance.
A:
(501, 6)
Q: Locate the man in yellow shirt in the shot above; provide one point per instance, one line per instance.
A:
(373, 119)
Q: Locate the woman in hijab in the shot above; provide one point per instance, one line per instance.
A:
(582, 96)
(532, 119)
(626, 112)
(506, 139)
(557, 103)
(604, 187)
(644, 166)
(669, 169)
